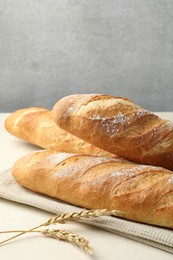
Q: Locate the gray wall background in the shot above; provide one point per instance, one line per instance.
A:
(49, 49)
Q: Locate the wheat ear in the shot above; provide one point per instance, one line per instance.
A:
(84, 214)
(69, 237)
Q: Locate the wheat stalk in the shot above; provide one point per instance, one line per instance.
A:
(64, 235)
(62, 218)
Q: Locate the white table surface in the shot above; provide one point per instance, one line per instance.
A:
(34, 246)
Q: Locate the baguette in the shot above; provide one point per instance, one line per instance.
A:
(144, 193)
(36, 125)
(118, 126)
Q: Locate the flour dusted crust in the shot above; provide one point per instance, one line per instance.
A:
(144, 193)
(118, 126)
(36, 125)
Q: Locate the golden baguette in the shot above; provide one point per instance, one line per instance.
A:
(144, 193)
(36, 125)
(118, 126)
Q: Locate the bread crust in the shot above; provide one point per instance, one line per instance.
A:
(118, 126)
(36, 125)
(144, 193)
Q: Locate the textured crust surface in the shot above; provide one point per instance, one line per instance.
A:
(144, 193)
(119, 126)
(36, 125)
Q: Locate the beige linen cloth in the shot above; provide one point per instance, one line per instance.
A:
(158, 237)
